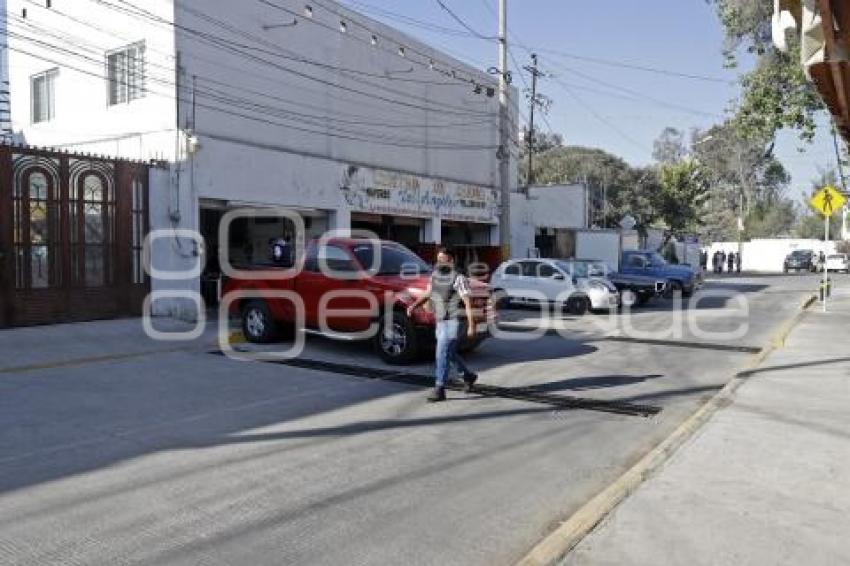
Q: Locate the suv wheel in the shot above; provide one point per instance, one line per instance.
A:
(396, 340)
(258, 325)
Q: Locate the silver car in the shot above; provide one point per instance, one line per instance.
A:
(578, 285)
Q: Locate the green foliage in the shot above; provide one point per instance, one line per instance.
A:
(670, 146)
(744, 174)
(682, 191)
(615, 188)
(776, 94)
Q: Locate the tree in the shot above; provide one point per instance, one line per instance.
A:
(746, 180)
(683, 188)
(615, 188)
(670, 146)
(775, 94)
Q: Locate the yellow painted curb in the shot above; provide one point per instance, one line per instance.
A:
(236, 337)
(561, 541)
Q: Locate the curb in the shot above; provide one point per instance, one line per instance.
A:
(560, 542)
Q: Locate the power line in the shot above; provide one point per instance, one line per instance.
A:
(463, 24)
(541, 49)
(238, 49)
(638, 94)
(346, 134)
(97, 50)
(598, 116)
(192, 55)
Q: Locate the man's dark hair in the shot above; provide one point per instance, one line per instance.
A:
(446, 251)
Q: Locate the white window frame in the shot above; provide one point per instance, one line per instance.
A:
(126, 90)
(49, 77)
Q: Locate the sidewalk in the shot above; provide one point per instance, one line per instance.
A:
(765, 482)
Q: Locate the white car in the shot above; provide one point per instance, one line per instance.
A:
(838, 262)
(579, 286)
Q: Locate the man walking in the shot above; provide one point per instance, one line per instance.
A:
(449, 294)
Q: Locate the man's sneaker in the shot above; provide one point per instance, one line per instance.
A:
(469, 380)
(439, 394)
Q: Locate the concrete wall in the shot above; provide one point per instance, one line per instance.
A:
(556, 206)
(768, 255)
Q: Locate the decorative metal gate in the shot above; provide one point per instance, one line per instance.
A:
(72, 229)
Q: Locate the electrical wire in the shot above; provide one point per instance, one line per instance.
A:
(218, 63)
(97, 50)
(463, 24)
(378, 139)
(235, 48)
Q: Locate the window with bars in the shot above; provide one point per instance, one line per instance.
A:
(125, 71)
(43, 96)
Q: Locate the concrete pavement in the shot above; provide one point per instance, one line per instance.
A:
(765, 482)
(176, 456)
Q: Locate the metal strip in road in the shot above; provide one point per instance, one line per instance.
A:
(685, 344)
(529, 394)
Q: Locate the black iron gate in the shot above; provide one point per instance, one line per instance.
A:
(71, 237)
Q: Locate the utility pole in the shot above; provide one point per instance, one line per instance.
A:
(535, 72)
(504, 153)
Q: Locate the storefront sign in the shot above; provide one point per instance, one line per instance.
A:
(385, 192)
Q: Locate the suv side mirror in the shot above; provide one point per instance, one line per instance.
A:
(558, 277)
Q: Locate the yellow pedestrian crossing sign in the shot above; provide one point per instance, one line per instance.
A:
(828, 200)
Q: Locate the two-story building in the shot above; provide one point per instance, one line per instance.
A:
(302, 104)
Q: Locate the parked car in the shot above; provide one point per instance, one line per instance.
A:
(800, 260)
(571, 283)
(399, 276)
(651, 264)
(838, 262)
(637, 289)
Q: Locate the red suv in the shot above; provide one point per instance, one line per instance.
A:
(349, 288)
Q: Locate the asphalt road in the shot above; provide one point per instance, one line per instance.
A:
(114, 449)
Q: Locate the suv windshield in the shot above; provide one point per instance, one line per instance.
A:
(394, 259)
(801, 254)
(657, 260)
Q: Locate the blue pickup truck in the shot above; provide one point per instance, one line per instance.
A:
(646, 262)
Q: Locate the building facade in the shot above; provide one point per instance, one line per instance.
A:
(297, 104)
(5, 116)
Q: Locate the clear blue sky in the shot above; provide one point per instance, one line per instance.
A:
(682, 36)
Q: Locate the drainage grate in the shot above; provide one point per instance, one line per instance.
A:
(528, 394)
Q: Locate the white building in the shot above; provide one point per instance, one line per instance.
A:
(295, 103)
(545, 220)
(5, 117)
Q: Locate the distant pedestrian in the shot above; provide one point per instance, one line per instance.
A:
(703, 260)
(450, 296)
(730, 262)
(738, 262)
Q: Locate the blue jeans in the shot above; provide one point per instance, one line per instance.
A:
(447, 354)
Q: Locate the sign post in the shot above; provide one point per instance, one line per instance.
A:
(827, 201)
